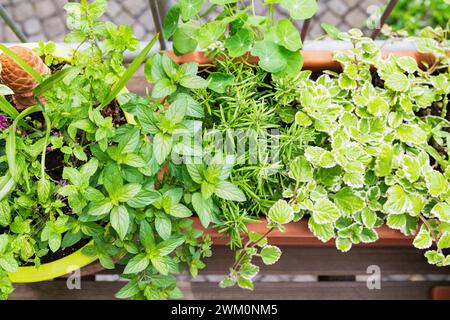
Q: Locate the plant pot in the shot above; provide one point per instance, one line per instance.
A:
(77, 259)
(316, 56)
(298, 233)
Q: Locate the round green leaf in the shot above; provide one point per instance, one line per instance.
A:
(270, 55)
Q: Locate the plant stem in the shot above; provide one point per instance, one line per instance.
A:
(250, 245)
(433, 234)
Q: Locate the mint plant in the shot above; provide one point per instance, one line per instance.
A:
(56, 157)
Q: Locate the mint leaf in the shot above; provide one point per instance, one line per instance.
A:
(228, 191)
(120, 220)
(137, 264)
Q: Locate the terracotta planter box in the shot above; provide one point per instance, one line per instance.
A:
(313, 60)
(298, 234)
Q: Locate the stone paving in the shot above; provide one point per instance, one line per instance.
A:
(44, 19)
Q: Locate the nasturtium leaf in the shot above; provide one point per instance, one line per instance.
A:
(436, 182)
(397, 200)
(120, 220)
(184, 39)
(324, 232)
(270, 55)
(294, 63)
(210, 33)
(300, 9)
(348, 201)
(239, 43)
(441, 211)
(281, 212)
(378, 107)
(288, 35)
(218, 81)
(343, 244)
(228, 191)
(397, 81)
(270, 254)
(320, 157)
(171, 21)
(190, 8)
(411, 134)
(324, 211)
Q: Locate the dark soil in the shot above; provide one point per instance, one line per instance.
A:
(54, 164)
(376, 80)
(114, 111)
(61, 253)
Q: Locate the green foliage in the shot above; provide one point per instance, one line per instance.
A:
(415, 15)
(236, 31)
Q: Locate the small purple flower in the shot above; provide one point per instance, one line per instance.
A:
(3, 122)
(57, 133)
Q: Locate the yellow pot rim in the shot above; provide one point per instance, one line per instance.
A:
(73, 261)
(54, 269)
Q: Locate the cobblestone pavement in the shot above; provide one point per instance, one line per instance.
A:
(44, 19)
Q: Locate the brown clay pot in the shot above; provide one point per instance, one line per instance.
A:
(313, 60)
